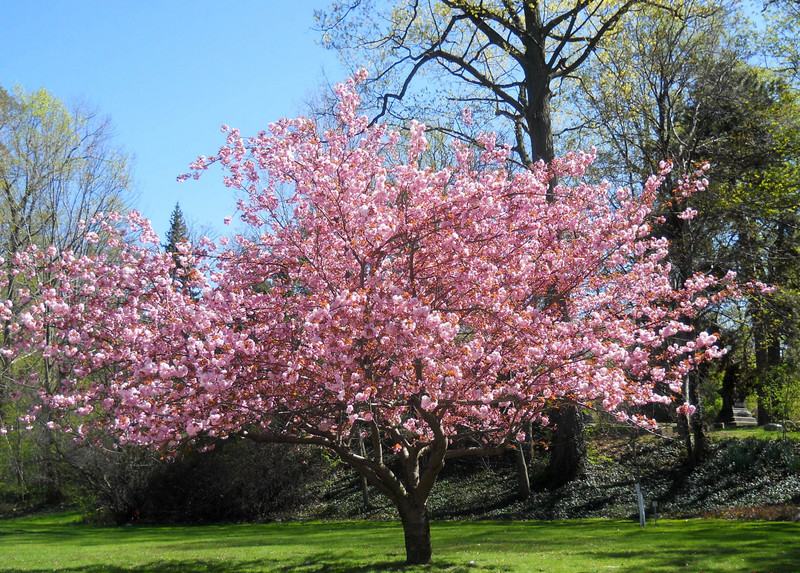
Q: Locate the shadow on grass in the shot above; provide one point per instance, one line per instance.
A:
(367, 547)
(702, 545)
(320, 563)
(170, 567)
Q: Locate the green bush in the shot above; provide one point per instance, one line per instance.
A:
(239, 480)
(740, 454)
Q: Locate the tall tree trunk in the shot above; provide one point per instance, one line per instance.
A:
(568, 446)
(417, 531)
(768, 356)
(728, 391)
(523, 480)
(540, 130)
(700, 448)
(364, 482)
(536, 95)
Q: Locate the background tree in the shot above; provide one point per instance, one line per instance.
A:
(645, 97)
(782, 18)
(57, 169)
(501, 58)
(177, 244)
(766, 207)
(178, 230)
(682, 88)
(638, 98)
(434, 312)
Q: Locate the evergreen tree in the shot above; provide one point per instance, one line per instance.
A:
(178, 233)
(178, 230)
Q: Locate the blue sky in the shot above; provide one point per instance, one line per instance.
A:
(169, 74)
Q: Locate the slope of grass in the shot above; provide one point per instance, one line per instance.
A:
(752, 432)
(739, 474)
(746, 468)
(61, 543)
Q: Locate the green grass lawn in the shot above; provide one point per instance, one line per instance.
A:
(751, 432)
(61, 543)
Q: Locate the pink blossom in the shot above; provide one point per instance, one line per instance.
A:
(370, 290)
(705, 339)
(428, 403)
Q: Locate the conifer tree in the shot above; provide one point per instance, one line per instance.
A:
(178, 234)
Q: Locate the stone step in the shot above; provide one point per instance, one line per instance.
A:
(742, 412)
(742, 416)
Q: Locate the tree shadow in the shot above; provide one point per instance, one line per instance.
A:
(762, 548)
(317, 563)
(184, 566)
(322, 563)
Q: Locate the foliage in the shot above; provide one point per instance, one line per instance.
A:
(782, 393)
(178, 240)
(434, 312)
(690, 93)
(178, 230)
(32, 476)
(58, 169)
(635, 100)
(782, 29)
(237, 481)
(710, 398)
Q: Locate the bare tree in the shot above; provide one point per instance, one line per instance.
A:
(504, 57)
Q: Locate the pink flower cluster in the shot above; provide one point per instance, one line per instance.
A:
(374, 291)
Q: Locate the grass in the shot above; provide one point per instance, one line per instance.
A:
(751, 432)
(61, 543)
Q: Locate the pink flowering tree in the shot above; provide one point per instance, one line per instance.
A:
(433, 314)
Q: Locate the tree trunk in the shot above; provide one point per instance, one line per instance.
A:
(417, 531)
(728, 391)
(523, 481)
(364, 482)
(685, 433)
(768, 356)
(568, 446)
(536, 96)
(700, 447)
(540, 129)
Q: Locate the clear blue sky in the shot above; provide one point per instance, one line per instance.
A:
(169, 73)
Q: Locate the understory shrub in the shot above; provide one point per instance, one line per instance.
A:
(239, 480)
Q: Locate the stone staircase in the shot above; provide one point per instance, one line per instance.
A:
(742, 416)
